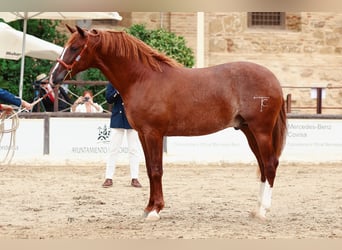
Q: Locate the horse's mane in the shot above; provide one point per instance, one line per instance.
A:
(123, 44)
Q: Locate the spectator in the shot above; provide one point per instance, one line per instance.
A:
(85, 103)
(43, 88)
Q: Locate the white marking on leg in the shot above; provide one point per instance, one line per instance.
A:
(264, 200)
(261, 191)
(266, 195)
(153, 216)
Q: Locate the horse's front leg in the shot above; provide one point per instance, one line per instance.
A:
(153, 150)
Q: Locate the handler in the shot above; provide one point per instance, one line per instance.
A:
(119, 126)
(8, 97)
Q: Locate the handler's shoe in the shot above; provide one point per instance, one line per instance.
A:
(135, 183)
(108, 183)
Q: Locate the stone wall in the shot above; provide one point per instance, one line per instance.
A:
(307, 53)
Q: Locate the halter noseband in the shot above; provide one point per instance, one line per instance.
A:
(69, 67)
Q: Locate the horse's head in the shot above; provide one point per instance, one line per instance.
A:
(74, 58)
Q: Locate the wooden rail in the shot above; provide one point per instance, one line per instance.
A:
(319, 95)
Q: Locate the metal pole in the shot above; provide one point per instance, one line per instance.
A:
(161, 16)
(200, 40)
(22, 67)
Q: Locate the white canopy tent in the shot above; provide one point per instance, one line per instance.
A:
(12, 16)
(11, 41)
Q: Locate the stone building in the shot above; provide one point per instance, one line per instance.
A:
(303, 49)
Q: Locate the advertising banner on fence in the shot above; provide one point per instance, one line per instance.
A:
(83, 140)
(313, 140)
(87, 141)
(26, 141)
(308, 140)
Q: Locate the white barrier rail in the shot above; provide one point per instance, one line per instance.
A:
(86, 140)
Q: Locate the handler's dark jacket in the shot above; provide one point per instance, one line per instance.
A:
(8, 97)
(118, 118)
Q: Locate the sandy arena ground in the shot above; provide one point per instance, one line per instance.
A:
(202, 202)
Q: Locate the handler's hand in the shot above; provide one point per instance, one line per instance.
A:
(26, 105)
(6, 108)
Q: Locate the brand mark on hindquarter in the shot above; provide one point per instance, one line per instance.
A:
(263, 101)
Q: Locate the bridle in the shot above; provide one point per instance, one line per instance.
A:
(69, 67)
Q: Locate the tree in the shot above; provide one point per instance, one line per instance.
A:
(166, 42)
(10, 69)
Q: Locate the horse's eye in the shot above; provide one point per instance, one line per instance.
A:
(73, 48)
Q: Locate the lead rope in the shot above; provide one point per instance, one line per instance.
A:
(13, 116)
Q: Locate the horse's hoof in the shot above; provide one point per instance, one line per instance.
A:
(257, 215)
(153, 216)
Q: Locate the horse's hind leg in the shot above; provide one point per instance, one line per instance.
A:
(254, 147)
(264, 197)
(262, 147)
(270, 164)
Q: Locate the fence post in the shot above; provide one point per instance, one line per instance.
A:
(288, 103)
(46, 143)
(165, 144)
(55, 103)
(319, 101)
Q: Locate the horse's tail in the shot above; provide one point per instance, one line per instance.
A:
(279, 131)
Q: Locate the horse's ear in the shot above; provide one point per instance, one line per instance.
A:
(72, 30)
(81, 31)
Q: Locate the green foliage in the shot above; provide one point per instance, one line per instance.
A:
(166, 42)
(10, 69)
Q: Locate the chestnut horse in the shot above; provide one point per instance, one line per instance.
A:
(162, 98)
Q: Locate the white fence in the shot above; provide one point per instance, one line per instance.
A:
(84, 141)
